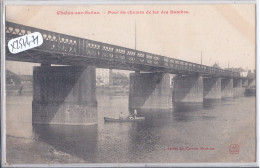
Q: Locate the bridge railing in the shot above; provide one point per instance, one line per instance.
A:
(66, 44)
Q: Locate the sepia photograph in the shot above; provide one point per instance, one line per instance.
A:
(130, 84)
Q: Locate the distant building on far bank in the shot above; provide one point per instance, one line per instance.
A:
(26, 79)
(251, 74)
(119, 79)
(243, 72)
(216, 65)
(109, 77)
(102, 77)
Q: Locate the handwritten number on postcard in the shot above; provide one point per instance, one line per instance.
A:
(26, 42)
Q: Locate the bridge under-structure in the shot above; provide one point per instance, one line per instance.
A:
(67, 94)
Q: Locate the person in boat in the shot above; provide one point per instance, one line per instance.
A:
(121, 115)
(135, 113)
(20, 91)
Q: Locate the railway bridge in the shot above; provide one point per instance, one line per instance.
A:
(67, 94)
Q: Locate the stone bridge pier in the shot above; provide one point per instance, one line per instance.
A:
(64, 95)
(227, 88)
(150, 91)
(187, 88)
(212, 88)
(244, 82)
(238, 87)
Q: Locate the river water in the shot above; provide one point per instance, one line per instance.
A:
(187, 133)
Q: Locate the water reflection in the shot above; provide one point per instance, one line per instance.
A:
(211, 103)
(156, 117)
(187, 107)
(184, 112)
(80, 141)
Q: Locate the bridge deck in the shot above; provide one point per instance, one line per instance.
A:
(68, 50)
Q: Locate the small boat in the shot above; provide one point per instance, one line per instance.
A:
(128, 119)
(250, 91)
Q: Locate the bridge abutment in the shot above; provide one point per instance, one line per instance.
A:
(188, 88)
(227, 88)
(212, 88)
(150, 91)
(64, 95)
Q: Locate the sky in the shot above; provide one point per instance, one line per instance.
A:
(223, 34)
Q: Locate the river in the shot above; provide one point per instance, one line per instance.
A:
(187, 133)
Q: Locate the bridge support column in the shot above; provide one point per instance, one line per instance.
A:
(226, 87)
(212, 88)
(238, 89)
(251, 82)
(188, 88)
(244, 82)
(150, 91)
(64, 95)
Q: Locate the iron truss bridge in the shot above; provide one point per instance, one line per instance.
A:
(69, 50)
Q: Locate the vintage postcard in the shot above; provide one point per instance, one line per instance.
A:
(122, 84)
